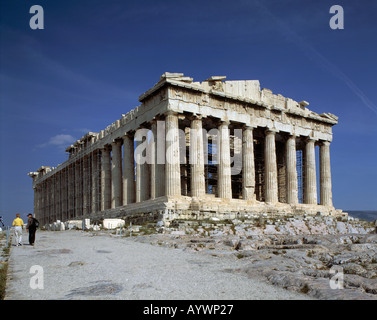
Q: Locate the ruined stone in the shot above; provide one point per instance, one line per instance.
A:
(251, 164)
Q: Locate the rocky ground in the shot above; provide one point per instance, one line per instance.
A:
(313, 257)
(78, 265)
(322, 257)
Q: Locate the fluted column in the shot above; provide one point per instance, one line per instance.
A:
(310, 186)
(248, 170)
(95, 181)
(116, 174)
(172, 165)
(152, 159)
(106, 179)
(128, 169)
(160, 158)
(35, 200)
(291, 172)
(57, 194)
(142, 170)
(78, 188)
(85, 185)
(69, 185)
(64, 196)
(224, 170)
(197, 158)
(325, 174)
(44, 202)
(270, 176)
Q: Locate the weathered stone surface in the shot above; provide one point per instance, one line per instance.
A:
(100, 181)
(290, 255)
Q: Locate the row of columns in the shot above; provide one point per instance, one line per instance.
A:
(248, 170)
(120, 185)
(310, 181)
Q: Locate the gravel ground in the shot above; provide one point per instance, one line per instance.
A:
(80, 265)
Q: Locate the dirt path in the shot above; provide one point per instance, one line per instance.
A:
(78, 265)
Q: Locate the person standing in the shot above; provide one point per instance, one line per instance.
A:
(18, 224)
(31, 226)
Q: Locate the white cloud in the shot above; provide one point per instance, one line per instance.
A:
(59, 140)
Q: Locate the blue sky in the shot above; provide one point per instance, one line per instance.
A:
(94, 58)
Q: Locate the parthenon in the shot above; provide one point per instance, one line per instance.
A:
(196, 150)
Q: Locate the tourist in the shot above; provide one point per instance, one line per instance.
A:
(31, 226)
(18, 224)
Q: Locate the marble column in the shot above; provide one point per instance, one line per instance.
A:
(142, 170)
(78, 188)
(224, 171)
(160, 158)
(291, 172)
(197, 158)
(106, 179)
(153, 160)
(95, 181)
(116, 174)
(69, 185)
(44, 201)
(139, 180)
(64, 195)
(85, 188)
(270, 175)
(128, 169)
(248, 170)
(310, 186)
(36, 200)
(59, 195)
(325, 174)
(172, 164)
(41, 200)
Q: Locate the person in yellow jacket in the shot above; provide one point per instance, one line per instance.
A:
(18, 224)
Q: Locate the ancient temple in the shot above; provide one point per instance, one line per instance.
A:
(196, 150)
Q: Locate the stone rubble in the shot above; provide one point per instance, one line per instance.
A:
(296, 253)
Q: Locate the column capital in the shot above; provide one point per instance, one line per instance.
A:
(171, 113)
(310, 139)
(106, 148)
(196, 116)
(325, 143)
(290, 136)
(271, 131)
(248, 126)
(125, 136)
(116, 142)
(128, 136)
(224, 122)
